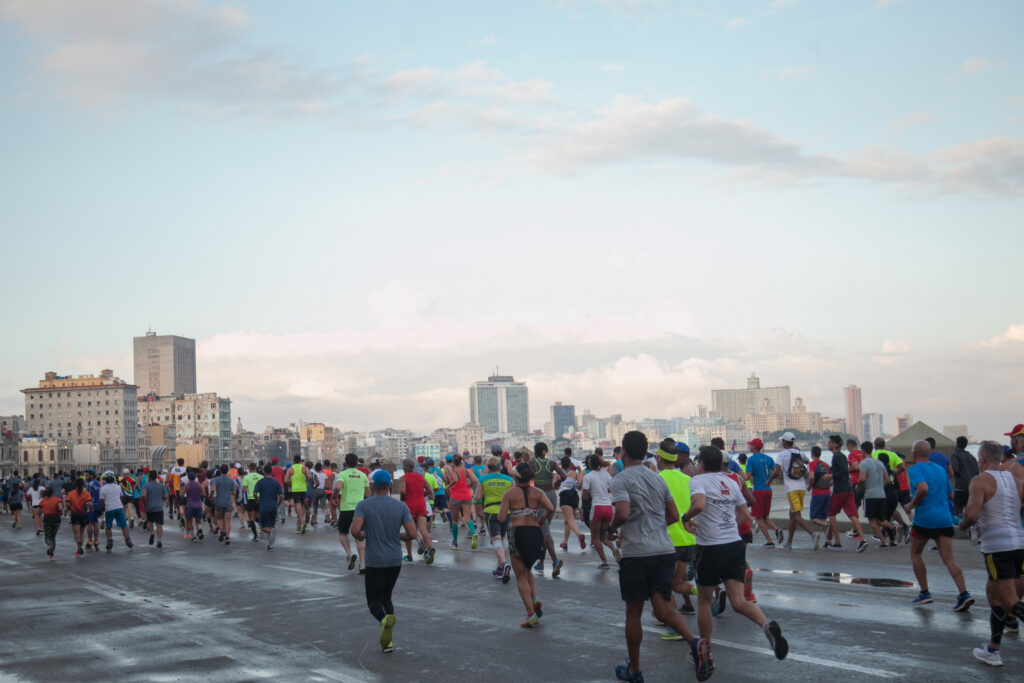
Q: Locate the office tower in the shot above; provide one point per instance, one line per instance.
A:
(165, 364)
(873, 426)
(563, 419)
(736, 404)
(500, 405)
(854, 411)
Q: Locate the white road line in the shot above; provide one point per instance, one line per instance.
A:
(340, 677)
(806, 659)
(10, 562)
(304, 571)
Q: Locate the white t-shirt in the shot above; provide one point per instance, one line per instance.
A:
(717, 523)
(598, 484)
(782, 460)
(36, 495)
(110, 494)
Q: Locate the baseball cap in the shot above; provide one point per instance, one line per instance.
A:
(381, 479)
(1016, 431)
(448, 458)
(145, 470)
(505, 455)
(420, 458)
(682, 448)
(757, 443)
(274, 460)
(237, 465)
(788, 436)
(429, 462)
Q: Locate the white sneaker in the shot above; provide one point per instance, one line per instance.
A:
(991, 658)
(817, 539)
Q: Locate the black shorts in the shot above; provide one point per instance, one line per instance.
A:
(79, 520)
(345, 520)
(15, 506)
(684, 553)
(717, 563)
(891, 502)
(155, 517)
(929, 533)
(1005, 565)
(904, 497)
(526, 544)
(874, 508)
(252, 506)
(642, 577)
(193, 513)
(569, 499)
(495, 529)
(747, 538)
(299, 497)
(960, 499)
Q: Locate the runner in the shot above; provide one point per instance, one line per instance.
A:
(378, 522)
(297, 477)
(319, 493)
(15, 498)
(175, 478)
(544, 474)
(569, 501)
(112, 506)
(842, 495)
(440, 492)
(965, 469)
(352, 487)
(933, 520)
(191, 494)
(461, 483)
(35, 497)
(252, 506)
(128, 486)
(525, 507)
(479, 470)
(819, 483)
(762, 470)
(684, 542)
(717, 505)
(994, 504)
(51, 508)
(79, 503)
(93, 486)
(332, 502)
(414, 491)
(873, 479)
(222, 489)
(269, 494)
(153, 497)
(644, 509)
(897, 488)
(597, 486)
(493, 487)
(791, 467)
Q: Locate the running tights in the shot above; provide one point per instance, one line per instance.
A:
(51, 523)
(380, 582)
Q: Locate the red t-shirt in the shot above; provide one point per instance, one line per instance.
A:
(745, 527)
(77, 501)
(811, 469)
(50, 505)
(855, 457)
(363, 470)
(278, 474)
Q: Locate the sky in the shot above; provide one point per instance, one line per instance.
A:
(358, 209)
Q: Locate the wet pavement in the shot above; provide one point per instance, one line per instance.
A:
(200, 612)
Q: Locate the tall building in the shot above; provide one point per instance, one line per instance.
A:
(854, 411)
(563, 419)
(833, 425)
(195, 417)
(165, 364)
(902, 423)
(873, 426)
(97, 411)
(736, 404)
(500, 405)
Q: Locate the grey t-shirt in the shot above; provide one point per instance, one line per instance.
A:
(874, 475)
(154, 491)
(223, 490)
(383, 518)
(645, 533)
(15, 492)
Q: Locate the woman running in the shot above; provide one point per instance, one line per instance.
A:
(461, 484)
(597, 487)
(569, 501)
(79, 506)
(35, 496)
(51, 508)
(525, 538)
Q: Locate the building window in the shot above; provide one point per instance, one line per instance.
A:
(51, 455)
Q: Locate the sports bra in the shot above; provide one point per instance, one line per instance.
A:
(523, 511)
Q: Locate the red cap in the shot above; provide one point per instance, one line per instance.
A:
(757, 443)
(273, 461)
(505, 455)
(1016, 431)
(145, 470)
(420, 458)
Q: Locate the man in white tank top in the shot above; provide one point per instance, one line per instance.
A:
(995, 504)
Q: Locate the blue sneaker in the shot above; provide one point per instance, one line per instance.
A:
(539, 567)
(622, 673)
(923, 598)
(700, 657)
(557, 569)
(963, 602)
(671, 634)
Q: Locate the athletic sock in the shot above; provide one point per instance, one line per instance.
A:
(472, 528)
(996, 622)
(455, 532)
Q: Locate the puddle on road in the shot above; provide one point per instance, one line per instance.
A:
(779, 571)
(838, 577)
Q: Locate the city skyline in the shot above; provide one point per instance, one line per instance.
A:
(357, 210)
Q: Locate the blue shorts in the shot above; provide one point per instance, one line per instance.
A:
(93, 517)
(440, 501)
(268, 519)
(111, 516)
(819, 506)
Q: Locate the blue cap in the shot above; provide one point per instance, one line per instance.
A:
(429, 462)
(448, 458)
(381, 479)
(682, 448)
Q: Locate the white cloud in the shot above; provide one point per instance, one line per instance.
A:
(1013, 335)
(790, 72)
(910, 120)
(613, 68)
(973, 65)
(737, 22)
(486, 41)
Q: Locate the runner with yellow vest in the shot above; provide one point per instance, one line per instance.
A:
(295, 479)
(684, 542)
(491, 487)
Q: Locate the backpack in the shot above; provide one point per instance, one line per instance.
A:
(797, 467)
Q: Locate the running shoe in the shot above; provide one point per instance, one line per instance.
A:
(583, 542)
(779, 536)
(352, 561)
(195, 540)
(388, 649)
(530, 621)
(255, 539)
(603, 565)
(778, 644)
(718, 606)
(78, 553)
(428, 556)
(387, 626)
(496, 572)
(963, 602)
(200, 534)
(622, 674)
(475, 538)
(862, 546)
(817, 539)
(563, 546)
(617, 553)
(506, 572)
(128, 542)
(537, 608)
(420, 549)
(227, 541)
(556, 569)
(220, 537)
(453, 544)
(983, 654)
(151, 538)
(362, 570)
(671, 634)
(751, 598)
(923, 598)
(898, 534)
(270, 547)
(407, 558)
(769, 544)
(700, 657)
(539, 567)
(687, 609)
(906, 533)
(787, 546)
(187, 537)
(1012, 625)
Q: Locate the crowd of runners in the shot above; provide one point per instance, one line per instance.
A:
(675, 523)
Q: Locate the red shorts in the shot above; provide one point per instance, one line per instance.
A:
(762, 504)
(416, 511)
(602, 514)
(842, 502)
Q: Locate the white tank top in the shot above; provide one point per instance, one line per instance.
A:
(1000, 516)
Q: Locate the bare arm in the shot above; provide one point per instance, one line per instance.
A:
(697, 504)
(919, 493)
(977, 496)
(356, 530)
(743, 514)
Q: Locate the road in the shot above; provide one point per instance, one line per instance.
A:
(199, 612)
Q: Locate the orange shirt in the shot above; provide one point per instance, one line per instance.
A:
(77, 501)
(50, 505)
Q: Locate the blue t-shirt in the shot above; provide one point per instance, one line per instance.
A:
(479, 471)
(939, 459)
(735, 467)
(760, 467)
(266, 491)
(933, 512)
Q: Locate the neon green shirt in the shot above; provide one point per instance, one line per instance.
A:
(679, 487)
(353, 488)
(249, 483)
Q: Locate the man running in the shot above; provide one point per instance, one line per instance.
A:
(152, 497)
(113, 510)
(191, 494)
(377, 522)
(352, 487)
(252, 506)
(965, 469)
(544, 476)
(223, 490)
(414, 491)
(297, 481)
(684, 542)
(644, 509)
(791, 467)
(268, 494)
(175, 478)
(933, 520)
(819, 483)
(79, 503)
(492, 486)
(15, 498)
(93, 486)
(762, 471)
(842, 495)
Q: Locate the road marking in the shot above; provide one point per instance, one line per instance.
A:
(340, 677)
(10, 562)
(806, 659)
(304, 571)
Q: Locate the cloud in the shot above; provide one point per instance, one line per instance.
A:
(910, 120)
(973, 65)
(486, 41)
(1013, 335)
(895, 346)
(736, 22)
(613, 68)
(790, 72)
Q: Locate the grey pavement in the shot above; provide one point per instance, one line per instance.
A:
(199, 612)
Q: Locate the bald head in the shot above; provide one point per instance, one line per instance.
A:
(922, 449)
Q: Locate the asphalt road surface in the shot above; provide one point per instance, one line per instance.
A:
(201, 612)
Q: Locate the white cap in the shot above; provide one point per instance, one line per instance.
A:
(788, 436)
(238, 464)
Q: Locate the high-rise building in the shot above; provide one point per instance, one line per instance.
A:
(854, 411)
(195, 417)
(165, 364)
(902, 423)
(736, 404)
(500, 405)
(873, 426)
(98, 411)
(563, 418)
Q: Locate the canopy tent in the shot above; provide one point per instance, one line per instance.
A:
(904, 441)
